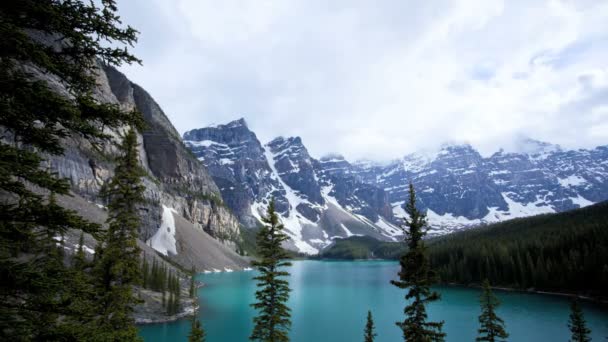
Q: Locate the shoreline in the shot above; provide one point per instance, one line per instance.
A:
(532, 291)
(602, 301)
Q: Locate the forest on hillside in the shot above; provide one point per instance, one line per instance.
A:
(566, 252)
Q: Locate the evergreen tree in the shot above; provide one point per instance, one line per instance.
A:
(369, 328)
(145, 283)
(79, 261)
(192, 291)
(415, 276)
(273, 320)
(197, 334)
(118, 269)
(63, 38)
(492, 327)
(171, 304)
(577, 324)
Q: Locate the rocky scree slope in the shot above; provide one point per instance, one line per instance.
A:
(316, 205)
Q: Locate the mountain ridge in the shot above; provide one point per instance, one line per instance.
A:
(457, 186)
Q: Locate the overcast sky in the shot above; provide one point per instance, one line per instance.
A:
(379, 79)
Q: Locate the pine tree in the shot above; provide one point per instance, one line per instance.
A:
(145, 283)
(492, 327)
(65, 39)
(79, 261)
(273, 320)
(118, 269)
(192, 291)
(171, 304)
(415, 276)
(369, 328)
(197, 334)
(577, 324)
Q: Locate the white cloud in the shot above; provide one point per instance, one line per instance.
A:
(380, 79)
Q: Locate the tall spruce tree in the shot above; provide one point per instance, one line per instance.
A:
(492, 327)
(273, 320)
(42, 40)
(192, 291)
(197, 334)
(369, 328)
(577, 324)
(416, 276)
(119, 267)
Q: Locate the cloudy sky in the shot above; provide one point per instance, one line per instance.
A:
(379, 79)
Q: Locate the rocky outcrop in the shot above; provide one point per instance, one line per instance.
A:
(236, 160)
(316, 205)
(175, 178)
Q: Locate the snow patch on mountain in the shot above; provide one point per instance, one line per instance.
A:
(163, 241)
(293, 222)
(448, 220)
(388, 228)
(581, 201)
(517, 209)
(571, 180)
(398, 210)
(348, 232)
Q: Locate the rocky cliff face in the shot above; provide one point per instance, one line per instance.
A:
(175, 178)
(315, 204)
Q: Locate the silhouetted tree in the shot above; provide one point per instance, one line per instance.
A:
(369, 328)
(416, 276)
(197, 334)
(273, 320)
(492, 327)
(119, 267)
(577, 324)
(43, 42)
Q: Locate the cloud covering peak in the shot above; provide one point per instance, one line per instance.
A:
(380, 79)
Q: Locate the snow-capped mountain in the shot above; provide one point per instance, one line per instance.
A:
(327, 198)
(459, 187)
(316, 204)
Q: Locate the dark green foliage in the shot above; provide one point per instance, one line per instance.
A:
(192, 290)
(197, 334)
(369, 328)
(247, 241)
(158, 277)
(492, 327)
(145, 274)
(363, 247)
(118, 268)
(173, 286)
(556, 252)
(577, 324)
(64, 40)
(416, 276)
(273, 320)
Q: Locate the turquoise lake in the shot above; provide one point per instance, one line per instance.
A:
(330, 299)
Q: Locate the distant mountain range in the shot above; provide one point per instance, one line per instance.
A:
(320, 200)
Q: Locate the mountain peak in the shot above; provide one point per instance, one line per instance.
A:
(281, 140)
(237, 123)
(332, 157)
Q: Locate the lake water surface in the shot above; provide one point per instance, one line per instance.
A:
(330, 299)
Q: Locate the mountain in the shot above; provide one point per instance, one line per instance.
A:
(459, 188)
(184, 217)
(323, 199)
(316, 204)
